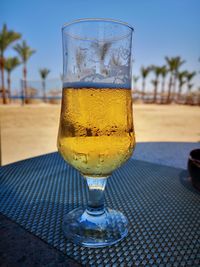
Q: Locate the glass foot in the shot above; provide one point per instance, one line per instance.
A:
(95, 231)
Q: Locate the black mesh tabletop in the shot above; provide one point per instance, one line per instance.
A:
(162, 207)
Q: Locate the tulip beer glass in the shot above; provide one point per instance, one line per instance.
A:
(96, 134)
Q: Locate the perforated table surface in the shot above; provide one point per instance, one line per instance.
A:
(160, 203)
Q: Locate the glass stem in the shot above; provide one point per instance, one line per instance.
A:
(96, 188)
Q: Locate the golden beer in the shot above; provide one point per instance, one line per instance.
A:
(96, 133)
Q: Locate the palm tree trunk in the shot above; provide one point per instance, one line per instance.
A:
(155, 91)
(162, 89)
(199, 98)
(22, 92)
(2, 79)
(9, 82)
(44, 90)
(25, 84)
(174, 87)
(101, 66)
(143, 88)
(187, 94)
(135, 86)
(179, 91)
(169, 90)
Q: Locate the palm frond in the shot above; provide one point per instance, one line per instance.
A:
(135, 78)
(190, 76)
(101, 49)
(7, 37)
(145, 71)
(44, 72)
(174, 63)
(24, 51)
(11, 63)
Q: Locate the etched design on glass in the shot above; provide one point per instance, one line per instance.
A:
(107, 62)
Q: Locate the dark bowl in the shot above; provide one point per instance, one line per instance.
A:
(194, 167)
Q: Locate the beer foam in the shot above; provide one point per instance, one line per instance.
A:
(96, 85)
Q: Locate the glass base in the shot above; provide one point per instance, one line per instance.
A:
(95, 231)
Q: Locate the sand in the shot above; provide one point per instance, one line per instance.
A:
(32, 130)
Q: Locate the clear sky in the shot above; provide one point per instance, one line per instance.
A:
(162, 27)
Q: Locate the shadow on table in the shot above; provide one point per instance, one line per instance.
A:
(186, 182)
(174, 154)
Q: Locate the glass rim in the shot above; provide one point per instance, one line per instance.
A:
(119, 22)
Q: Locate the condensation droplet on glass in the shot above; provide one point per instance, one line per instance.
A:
(82, 157)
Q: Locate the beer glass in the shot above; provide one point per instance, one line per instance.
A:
(96, 134)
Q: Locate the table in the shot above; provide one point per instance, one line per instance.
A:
(173, 154)
(161, 205)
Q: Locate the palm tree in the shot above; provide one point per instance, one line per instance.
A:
(189, 76)
(157, 70)
(61, 77)
(7, 37)
(43, 73)
(25, 52)
(135, 80)
(144, 73)
(101, 49)
(174, 64)
(10, 64)
(155, 84)
(80, 58)
(181, 81)
(178, 63)
(163, 73)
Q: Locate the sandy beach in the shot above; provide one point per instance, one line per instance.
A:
(32, 130)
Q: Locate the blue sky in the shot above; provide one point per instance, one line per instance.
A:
(162, 27)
